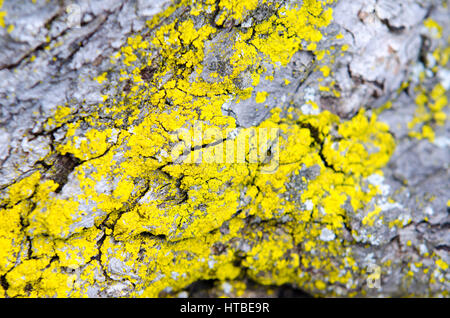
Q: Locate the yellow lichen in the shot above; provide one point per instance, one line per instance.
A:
(2, 15)
(261, 97)
(168, 209)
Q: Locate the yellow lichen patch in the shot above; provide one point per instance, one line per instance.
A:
(78, 249)
(433, 26)
(429, 111)
(51, 216)
(441, 264)
(278, 39)
(199, 204)
(2, 15)
(61, 115)
(40, 277)
(325, 70)
(25, 274)
(11, 235)
(267, 258)
(93, 144)
(371, 216)
(431, 101)
(261, 97)
(296, 150)
(158, 199)
(362, 138)
(101, 78)
(22, 189)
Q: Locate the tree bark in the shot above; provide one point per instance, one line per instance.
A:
(93, 95)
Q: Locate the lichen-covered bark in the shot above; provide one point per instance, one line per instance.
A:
(122, 171)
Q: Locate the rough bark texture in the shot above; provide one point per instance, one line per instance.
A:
(350, 198)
